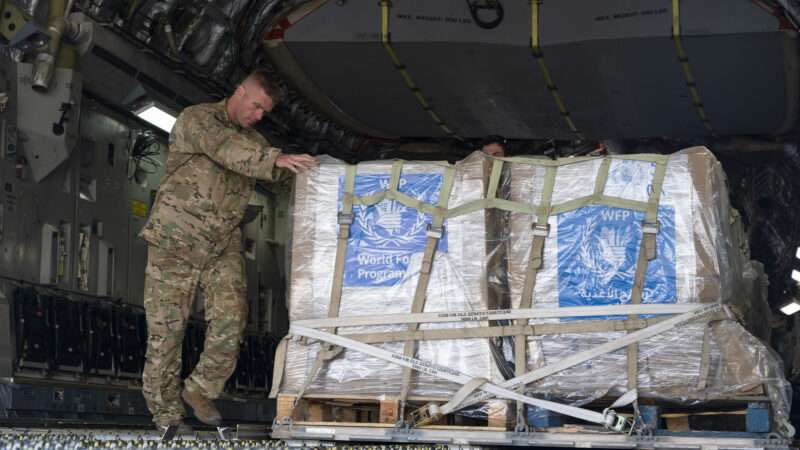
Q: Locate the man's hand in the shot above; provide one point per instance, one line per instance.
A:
(296, 163)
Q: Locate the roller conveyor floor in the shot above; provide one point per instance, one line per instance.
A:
(143, 439)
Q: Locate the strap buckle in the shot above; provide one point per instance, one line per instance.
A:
(424, 415)
(435, 232)
(541, 229)
(651, 227)
(345, 218)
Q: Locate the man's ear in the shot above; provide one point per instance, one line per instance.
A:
(239, 92)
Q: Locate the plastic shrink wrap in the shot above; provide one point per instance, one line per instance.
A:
(590, 258)
(382, 267)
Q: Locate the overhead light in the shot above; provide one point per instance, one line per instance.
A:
(797, 253)
(796, 276)
(791, 307)
(157, 116)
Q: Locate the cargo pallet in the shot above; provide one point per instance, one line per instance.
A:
(736, 423)
(368, 411)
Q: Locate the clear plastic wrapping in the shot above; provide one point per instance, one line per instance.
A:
(589, 259)
(381, 273)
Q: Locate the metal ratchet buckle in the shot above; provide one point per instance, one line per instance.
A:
(651, 227)
(435, 232)
(345, 218)
(541, 229)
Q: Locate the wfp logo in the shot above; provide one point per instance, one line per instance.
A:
(605, 249)
(597, 251)
(390, 224)
(390, 216)
(384, 237)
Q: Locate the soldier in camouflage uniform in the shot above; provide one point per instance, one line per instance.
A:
(195, 244)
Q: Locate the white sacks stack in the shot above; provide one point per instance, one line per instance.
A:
(382, 268)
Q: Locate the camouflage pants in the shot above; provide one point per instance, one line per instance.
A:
(170, 288)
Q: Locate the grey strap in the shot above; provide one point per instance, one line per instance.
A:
(506, 389)
(589, 326)
(278, 367)
(705, 358)
(497, 314)
(708, 311)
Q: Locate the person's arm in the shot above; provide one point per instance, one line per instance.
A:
(198, 131)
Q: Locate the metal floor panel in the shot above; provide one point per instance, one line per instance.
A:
(472, 437)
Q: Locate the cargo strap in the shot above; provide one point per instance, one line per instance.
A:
(541, 229)
(486, 315)
(544, 329)
(705, 358)
(647, 253)
(536, 50)
(495, 314)
(683, 58)
(707, 312)
(386, 40)
(595, 198)
(279, 365)
(345, 219)
(608, 418)
(434, 233)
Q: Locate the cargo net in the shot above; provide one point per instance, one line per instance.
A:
(569, 280)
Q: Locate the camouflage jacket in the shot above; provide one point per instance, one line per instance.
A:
(211, 170)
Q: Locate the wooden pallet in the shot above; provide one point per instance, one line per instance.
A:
(364, 411)
(721, 415)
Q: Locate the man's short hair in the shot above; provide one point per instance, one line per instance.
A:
(493, 139)
(262, 79)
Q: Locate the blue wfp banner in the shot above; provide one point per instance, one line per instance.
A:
(597, 251)
(384, 236)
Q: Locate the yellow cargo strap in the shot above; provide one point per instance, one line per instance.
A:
(683, 58)
(541, 229)
(386, 40)
(434, 233)
(548, 79)
(647, 252)
(345, 219)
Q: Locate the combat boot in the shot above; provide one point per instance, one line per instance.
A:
(204, 409)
